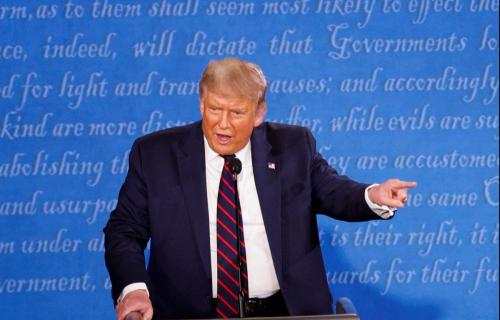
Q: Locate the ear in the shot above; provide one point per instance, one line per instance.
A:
(202, 106)
(260, 114)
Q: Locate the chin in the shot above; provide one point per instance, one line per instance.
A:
(222, 150)
(225, 152)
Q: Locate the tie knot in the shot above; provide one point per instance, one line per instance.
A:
(233, 164)
(228, 158)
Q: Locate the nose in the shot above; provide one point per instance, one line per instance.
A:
(224, 121)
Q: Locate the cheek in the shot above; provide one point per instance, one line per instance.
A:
(211, 120)
(245, 129)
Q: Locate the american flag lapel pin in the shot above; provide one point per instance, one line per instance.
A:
(271, 165)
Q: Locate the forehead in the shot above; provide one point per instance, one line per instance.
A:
(224, 100)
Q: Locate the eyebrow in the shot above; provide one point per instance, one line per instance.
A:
(238, 109)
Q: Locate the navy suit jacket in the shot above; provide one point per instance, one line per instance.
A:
(164, 200)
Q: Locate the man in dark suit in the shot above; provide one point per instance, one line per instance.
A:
(171, 198)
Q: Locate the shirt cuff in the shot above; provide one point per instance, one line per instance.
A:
(383, 211)
(132, 287)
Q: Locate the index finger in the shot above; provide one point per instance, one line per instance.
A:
(399, 184)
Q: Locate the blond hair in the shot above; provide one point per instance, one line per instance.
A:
(234, 78)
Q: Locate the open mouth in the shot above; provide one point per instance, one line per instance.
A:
(223, 138)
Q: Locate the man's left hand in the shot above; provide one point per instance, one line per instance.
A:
(392, 193)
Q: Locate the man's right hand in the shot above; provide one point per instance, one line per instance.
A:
(138, 301)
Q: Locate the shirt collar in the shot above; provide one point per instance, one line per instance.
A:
(245, 154)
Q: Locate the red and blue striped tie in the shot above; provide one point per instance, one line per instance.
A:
(228, 235)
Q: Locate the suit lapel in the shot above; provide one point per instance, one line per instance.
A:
(192, 170)
(266, 168)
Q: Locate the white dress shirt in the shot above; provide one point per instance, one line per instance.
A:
(262, 279)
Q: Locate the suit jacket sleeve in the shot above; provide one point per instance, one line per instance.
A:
(127, 231)
(335, 195)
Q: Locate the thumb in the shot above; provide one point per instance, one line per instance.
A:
(134, 315)
(148, 315)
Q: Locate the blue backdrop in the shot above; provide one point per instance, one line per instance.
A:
(390, 88)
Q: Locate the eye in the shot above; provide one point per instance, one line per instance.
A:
(214, 109)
